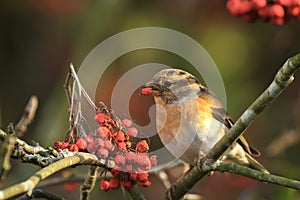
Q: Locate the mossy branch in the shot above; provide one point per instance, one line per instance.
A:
(254, 174)
(52, 161)
(282, 79)
(71, 159)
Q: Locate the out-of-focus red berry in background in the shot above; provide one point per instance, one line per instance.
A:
(39, 38)
(277, 12)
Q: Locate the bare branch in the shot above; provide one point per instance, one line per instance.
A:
(27, 117)
(255, 174)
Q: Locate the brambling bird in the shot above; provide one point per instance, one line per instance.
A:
(190, 119)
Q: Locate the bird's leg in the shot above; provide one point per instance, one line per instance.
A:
(199, 162)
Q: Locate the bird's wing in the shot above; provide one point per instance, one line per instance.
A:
(220, 114)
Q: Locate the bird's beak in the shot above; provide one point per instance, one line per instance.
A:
(149, 88)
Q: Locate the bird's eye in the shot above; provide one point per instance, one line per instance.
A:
(168, 84)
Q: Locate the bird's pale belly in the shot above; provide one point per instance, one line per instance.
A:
(174, 126)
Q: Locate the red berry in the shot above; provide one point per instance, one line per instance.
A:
(102, 153)
(147, 91)
(143, 162)
(121, 145)
(73, 185)
(65, 145)
(81, 143)
(120, 160)
(115, 172)
(104, 185)
(120, 136)
(259, 3)
(114, 183)
(127, 185)
(133, 176)
(153, 160)
(246, 6)
(127, 123)
(103, 132)
(146, 184)
(233, 7)
(276, 10)
(89, 138)
(296, 2)
(100, 118)
(73, 147)
(142, 177)
(90, 147)
(132, 132)
(286, 3)
(142, 146)
(98, 143)
(130, 157)
(237, 7)
(294, 11)
(107, 145)
(57, 145)
(128, 168)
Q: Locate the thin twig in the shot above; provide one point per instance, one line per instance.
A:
(283, 78)
(255, 174)
(89, 183)
(67, 86)
(81, 89)
(27, 116)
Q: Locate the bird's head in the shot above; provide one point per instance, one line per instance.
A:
(173, 86)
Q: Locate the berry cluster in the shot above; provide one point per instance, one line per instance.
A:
(274, 11)
(112, 144)
(80, 145)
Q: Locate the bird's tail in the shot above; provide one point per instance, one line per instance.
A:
(254, 164)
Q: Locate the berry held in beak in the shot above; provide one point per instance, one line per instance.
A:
(147, 91)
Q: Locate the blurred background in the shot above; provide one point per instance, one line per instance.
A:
(39, 38)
